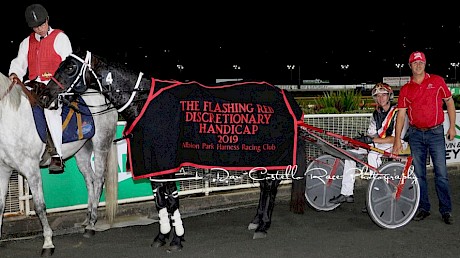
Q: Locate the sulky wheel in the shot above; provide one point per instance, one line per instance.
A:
(323, 182)
(385, 207)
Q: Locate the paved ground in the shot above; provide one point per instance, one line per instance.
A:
(222, 232)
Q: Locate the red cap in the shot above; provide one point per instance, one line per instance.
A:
(417, 56)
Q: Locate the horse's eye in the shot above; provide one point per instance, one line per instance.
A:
(72, 70)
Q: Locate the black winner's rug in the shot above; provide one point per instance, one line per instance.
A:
(236, 126)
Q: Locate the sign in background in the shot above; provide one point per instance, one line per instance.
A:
(396, 81)
(452, 147)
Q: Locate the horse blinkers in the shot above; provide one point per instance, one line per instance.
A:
(75, 72)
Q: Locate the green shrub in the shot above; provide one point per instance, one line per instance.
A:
(456, 101)
(343, 101)
(328, 110)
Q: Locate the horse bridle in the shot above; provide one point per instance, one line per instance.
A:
(107, 80)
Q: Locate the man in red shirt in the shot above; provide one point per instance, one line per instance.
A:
(422, 99)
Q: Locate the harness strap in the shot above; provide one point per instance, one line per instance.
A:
(79, 125)
(67, 119)
(133, 94)
(79, 120)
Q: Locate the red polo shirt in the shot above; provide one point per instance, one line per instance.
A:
(424, 101)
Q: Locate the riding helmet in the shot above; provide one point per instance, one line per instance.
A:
(382, 88)
(36, 15)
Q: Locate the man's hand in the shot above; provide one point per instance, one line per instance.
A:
(14, 78)
(451, 133)
(397, 147)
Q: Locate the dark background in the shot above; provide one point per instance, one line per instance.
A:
(261, 38)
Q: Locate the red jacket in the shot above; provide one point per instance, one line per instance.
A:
(43, 59)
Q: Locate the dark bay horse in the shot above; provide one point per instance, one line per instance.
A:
(21, 149)
(129, 91)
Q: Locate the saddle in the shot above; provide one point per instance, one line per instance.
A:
(77, 122)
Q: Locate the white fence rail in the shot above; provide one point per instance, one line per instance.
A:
(19, 198)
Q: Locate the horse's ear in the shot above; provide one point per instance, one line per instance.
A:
(78, 50)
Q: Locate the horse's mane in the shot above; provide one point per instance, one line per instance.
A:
(108, 63)
(13, 97)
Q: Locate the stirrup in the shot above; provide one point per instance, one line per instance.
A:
(56, 166)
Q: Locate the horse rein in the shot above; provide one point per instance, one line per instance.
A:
(86, 66)
(32, 99)
(9, 89)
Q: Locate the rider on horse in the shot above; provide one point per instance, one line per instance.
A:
(39, 55)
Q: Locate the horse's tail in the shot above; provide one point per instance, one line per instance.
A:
(111, 184)
(298, 186)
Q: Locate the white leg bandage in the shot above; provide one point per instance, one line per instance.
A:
(165, 227)
(177, 223)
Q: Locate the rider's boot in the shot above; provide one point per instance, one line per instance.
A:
(56, 165)
(49, 150)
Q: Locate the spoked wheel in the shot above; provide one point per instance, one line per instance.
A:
(387, 209)
(323, 182)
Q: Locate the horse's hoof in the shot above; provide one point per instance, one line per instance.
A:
(47, 252)
(258, 235)
(252, 226)
(157, 244)
(174, 248)
(89, 233)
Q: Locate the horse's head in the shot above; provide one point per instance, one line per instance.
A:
(125, 89)
(74, 75)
